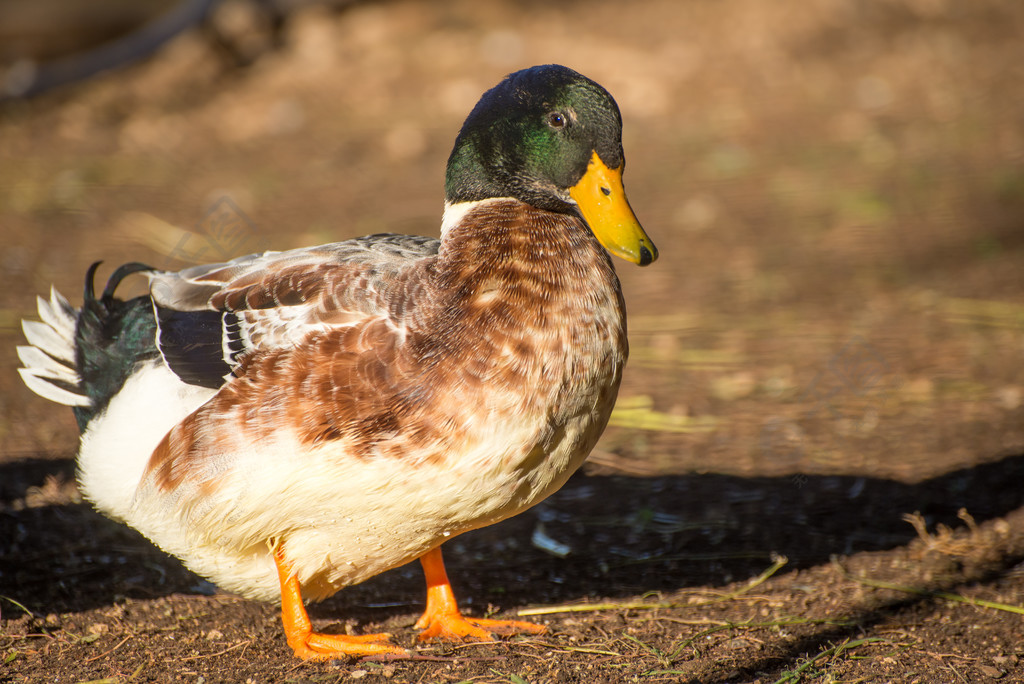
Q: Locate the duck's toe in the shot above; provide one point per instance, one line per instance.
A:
(456, 627)
(319, 646)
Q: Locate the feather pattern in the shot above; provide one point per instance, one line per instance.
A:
(471, 379)
(49, 363)
(353, 405)
(210, 317)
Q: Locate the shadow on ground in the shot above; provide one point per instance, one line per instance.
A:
(624, 536)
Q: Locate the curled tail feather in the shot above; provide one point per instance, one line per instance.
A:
(82, 357)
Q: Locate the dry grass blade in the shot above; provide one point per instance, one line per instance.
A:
(944, 540)
(779, 562)
(948, 596)
(19, 605)
(109, 651)
(594, 651)
(796, 675)
(653, 605)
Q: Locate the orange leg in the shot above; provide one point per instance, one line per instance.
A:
(310, 645)
(442, 619)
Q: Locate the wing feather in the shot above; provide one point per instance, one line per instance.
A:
(210, 317)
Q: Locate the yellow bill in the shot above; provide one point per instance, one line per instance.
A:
(602, 201)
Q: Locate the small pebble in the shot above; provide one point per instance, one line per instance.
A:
(991, 672)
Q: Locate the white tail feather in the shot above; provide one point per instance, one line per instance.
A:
(47, 390)
(58, 314)
(50, 362)
(36, 359)
(49, 340)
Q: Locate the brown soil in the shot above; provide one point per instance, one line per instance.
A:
(831, 341)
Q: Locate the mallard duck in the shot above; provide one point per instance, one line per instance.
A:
(292, 423)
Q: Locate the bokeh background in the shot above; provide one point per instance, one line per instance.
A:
(836, 188)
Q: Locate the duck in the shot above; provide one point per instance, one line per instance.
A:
(292, 423)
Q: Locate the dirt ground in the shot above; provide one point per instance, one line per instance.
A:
(826, 363)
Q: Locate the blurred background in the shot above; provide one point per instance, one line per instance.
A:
(832, 338)
(836, 188)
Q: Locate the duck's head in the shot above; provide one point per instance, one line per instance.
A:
(552, 138)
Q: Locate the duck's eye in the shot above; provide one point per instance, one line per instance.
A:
(556, 120)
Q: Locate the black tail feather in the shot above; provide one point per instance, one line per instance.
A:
(89, 296)
(111, 339)
(119, 274)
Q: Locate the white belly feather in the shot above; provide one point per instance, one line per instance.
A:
(345, 519)
(115, 449)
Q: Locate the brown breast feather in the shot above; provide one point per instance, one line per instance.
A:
(518, 306)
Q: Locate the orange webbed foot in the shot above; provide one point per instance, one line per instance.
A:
(310, 645)
(318, 646)
(442, 619)
(460, 628)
